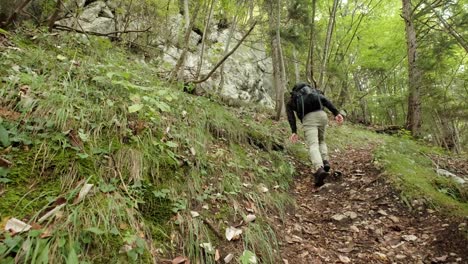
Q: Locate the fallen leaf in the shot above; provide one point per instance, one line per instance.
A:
(228, 258)
(125, 248)
(179, 260)
(338, 217)
(192, 151)
(250, 218)
(83, 192)
(233, 233)
(208, 247)
(262, 188)
(354, 229)
(351, 214)
(16, 226)
(51, 213)
(194, 214)
(5, 163)
(344, 259)
(394, 219)
(409, 237)
(217, 256)
(381, 255)
(382, 212)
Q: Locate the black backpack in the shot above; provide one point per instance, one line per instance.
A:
(306, 99)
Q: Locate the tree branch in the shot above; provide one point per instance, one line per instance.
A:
(225, 57)
(65, 28)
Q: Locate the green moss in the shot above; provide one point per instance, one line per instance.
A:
(411, 170)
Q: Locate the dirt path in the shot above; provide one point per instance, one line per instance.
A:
(359, 218)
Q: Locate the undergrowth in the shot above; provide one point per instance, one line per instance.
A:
(80, 110)
(408, 166)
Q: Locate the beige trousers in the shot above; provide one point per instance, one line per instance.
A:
(315, 124)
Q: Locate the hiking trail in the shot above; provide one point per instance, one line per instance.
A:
(359, 217)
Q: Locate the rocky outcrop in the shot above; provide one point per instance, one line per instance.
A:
(96, 17)
(246, 73)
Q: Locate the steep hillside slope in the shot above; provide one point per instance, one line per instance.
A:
(106, 162)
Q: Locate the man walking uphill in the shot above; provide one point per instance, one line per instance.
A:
(308, 103)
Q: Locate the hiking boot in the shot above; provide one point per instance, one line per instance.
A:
(319, 177)
(326, 165)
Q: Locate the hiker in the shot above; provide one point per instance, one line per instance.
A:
(308, 103)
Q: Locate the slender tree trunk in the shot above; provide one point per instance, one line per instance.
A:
(282, 66)
(310, 56)
(275, 56)
(178, 71)
(205, 32)
(187, 15)
(297, 74)
(54, 16)
(326, 49)
(413, 118)
(226, 49)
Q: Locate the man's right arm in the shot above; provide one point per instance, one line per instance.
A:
(291, 117)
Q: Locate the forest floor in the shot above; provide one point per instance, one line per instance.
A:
(358, 217)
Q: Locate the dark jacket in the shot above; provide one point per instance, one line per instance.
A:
(291, 108)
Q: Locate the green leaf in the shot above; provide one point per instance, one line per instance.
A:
(114, 231)
(83, 136)
(44, 255)
(135, 108)
(4, 139)
(35, 233)
(82, 155)
(172, 144)
(12, 242)
(248, 257)
(4, 172)
(95, 230)
(163, 106)
(72, 257)
(107, 188)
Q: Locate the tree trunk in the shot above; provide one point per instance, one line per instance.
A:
(226, 49)
(275, 56)
(205, 32)
(54, 16)
(326, 49)
(282, 66)
(297, 74)
(310, 56)
(413, 118)
(187, 15)
(178, 71)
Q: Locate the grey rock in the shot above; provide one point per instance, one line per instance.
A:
(448, 174)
